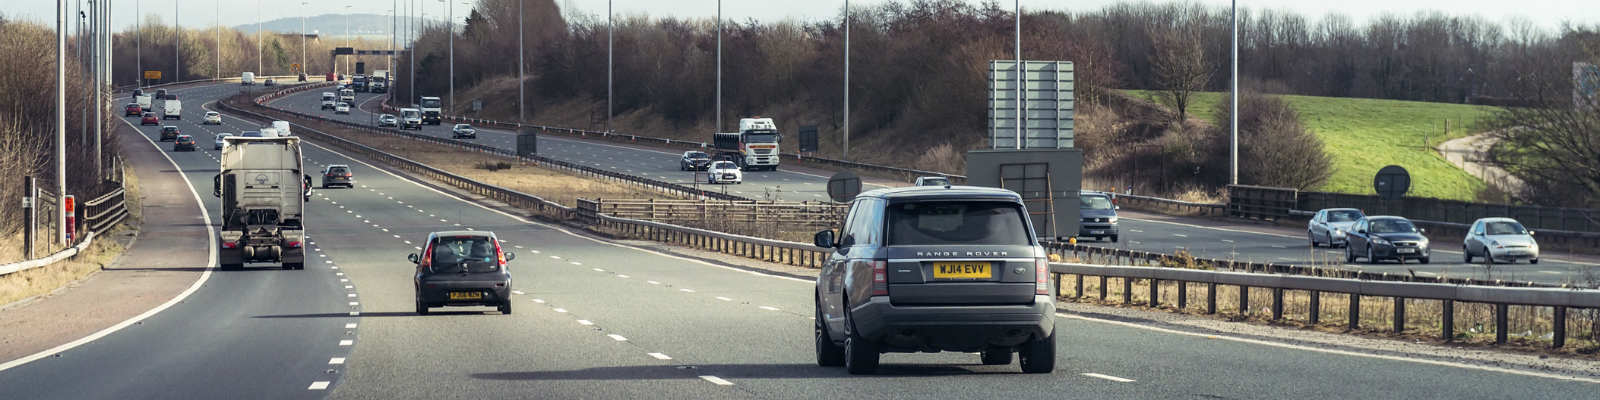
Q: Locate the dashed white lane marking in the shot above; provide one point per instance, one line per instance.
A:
(555, 257)
(318, 385)
(686, 290)
(335, 267)
(396, 236)
(349, 287)
(724, 298)
(1227, 240)
(351, 325)
(585, 322)
(540, 301)
(1279, 246)
(344, 280)
(517, 292)
(1285, 259)
(561, 310)
(534, 251)
(1107, 377)
(769, 308)
(517, 246)
(336, 361)
(617, 337)
(716, 380)
(355, 303)
(1180, 235)
(355, 313)
(576, 263)
(622, 276)
(598, 269)
(653, 282)
(350, 295)
(660, 356)
(346, 342)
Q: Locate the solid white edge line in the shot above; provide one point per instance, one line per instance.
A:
(716, 380)
(1335, 351)
(211, 265)
(1107, 377)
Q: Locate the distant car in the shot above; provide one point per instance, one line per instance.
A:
(149, 118)
(337, 175)
(132, 110)
(329, 101)
(269, 82)
(388, 120)
(342, 108)
(1500, 240)
(923, 269)
(462, 268)
(1330, 226)
(931, 181)
(282, 128)
(170, 132)
(724, 172)
(463, 131)
(694, 161)
(212, 118)
(183, 143)
(161, 93)
(138, 92)
(1098, 216)
(220, 142)
(1386, 238)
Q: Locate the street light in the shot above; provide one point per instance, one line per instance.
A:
(61, 118)
(717, 127)
(450, 29)
(219, 40)
(177, 47)
(610, 26)
(522, 108)
(303, 36)
(348, 41)
(846, 80)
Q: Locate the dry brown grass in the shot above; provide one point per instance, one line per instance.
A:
(43, 280)
(548, 184)
(1529, 328)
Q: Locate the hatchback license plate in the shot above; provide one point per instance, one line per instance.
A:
(961, 270)
(466, 295)
(1407, 251)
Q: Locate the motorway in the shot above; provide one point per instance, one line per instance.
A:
(600, 319)
(1151, 233)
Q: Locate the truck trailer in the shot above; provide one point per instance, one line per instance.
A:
(264, 189)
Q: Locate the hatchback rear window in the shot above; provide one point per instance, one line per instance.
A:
(957, 223)
(337, 170)
(453, 254)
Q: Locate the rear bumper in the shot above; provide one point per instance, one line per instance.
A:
(1086, 229)
(954, 328)
(437, 293)
(1391, 252)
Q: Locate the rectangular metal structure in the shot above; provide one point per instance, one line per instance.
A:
(808, 138)
(1047, 179)
(1047, 109)
(528, 142)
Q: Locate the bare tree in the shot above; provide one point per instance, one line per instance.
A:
(1181, 66)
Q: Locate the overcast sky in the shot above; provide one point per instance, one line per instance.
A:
(1548, 14)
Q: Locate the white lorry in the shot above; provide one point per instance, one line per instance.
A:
(754, 146)
(431, 109)
(347, 96)
(264, 189)
(247, 79)
(171, 108)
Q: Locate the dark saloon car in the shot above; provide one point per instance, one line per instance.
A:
(930, 269)
(183, 143)
(1386, 238)
(694, 161)
(132, 110)
(170, 132)
(462, 268)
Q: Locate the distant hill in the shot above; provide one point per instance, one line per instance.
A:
(330, 25)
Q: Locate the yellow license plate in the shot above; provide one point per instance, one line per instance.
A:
(960, 270)
(466, 295)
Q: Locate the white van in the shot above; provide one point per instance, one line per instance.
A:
(172, 109)
(269, 132)
(283, 128)
(247, 79)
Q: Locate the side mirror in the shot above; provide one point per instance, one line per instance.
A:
(1362, 231)
(413, 258)
(1422, 230)
(823, 239)
(511, 256)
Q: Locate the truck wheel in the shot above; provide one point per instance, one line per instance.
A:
(996, 356)
(1039, 356)
(860, 355)
(1113, 238)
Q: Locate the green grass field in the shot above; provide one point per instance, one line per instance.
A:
(1364, 135)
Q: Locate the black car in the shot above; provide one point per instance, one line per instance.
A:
(929, 269)
(161, 93)
(170, 132)
(1386, 238)
(337, 175)
(183, 143)
(462, 268)
(694, 161)
(1098, 216)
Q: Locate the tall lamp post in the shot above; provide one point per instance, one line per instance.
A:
(846, 80)
(177, 47)
(521, 107)
(610, 45)
(1233, 108)
(718, 125)
(61, 118)
(303, 36)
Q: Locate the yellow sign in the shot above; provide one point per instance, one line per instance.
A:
(152, 74)
(294, 67)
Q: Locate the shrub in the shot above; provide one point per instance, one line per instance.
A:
(1274, 149)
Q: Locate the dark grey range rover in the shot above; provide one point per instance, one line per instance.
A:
(929, 269)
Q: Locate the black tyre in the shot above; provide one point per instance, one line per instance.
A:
(1114, 238)
(1466, 255)
(1533, 261)
(505, 307)
(1349, 255)
(1370, 258)
(860, 354)
(996, 356)
(1313, 238)
(1423, 260)
(422, 309)
(1039, 356)
(829, 354)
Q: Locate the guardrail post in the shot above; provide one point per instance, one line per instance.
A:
(1501, 324)
(1558, 326)
(1355, 311)
(1183, 295)
(1399, 314)
(1277, 304)
(1080, 286)
(1127, 290)
(1102, 287)
(1211, 297)
(1244, 300)
(1155, 292)
(1315, 308)
(1447, 327)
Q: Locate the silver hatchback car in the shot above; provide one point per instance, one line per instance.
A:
(1500, 240)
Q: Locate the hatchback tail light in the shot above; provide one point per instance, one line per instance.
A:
(427, 258)
(500, 255)
(1041, 276)
(880, 278)
(347, 175)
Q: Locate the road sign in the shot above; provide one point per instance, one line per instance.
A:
(808, 138)
(295, 67)
(1046, 107)
(844, 186)
(1392, 182)
(152, 74)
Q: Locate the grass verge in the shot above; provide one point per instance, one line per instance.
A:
(44, 280)
(1364, 135)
